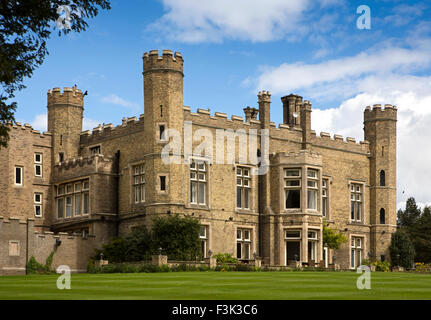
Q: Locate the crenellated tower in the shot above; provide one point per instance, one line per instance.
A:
(163, 93)
(380, 128)
(65, 115)
(164, 110)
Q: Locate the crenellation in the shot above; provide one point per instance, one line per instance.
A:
(221, 115)
(237, 118)
(203, 111)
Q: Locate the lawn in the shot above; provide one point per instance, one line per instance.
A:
(219, 285)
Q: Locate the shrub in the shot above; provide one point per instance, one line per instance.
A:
(383, 266)
(422, 267)
(225, 258)
(34, 267)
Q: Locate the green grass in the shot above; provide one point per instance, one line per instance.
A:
(219, 285)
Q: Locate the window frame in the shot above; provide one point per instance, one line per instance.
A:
(196, 170)
(38, 204)
(244, 244)
(356, 251)
(357, 189)
(69, 190)
(139, 182)
(38, 164)
(289, 178)
(244, 185)
(21, 175)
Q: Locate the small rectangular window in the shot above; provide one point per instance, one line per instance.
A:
(162, 131)
(38, 205)
(38, 170)
(18, 176)
(37, 158)
(162, 183)
(61, 157)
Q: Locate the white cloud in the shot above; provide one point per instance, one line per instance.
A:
(254, 20)
(380, 76)
(114, 99)
(347, 70)
(40, 122)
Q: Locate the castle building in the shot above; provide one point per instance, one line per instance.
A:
(108, 181)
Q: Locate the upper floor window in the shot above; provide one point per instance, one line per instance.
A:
(38, 164)
(18, 175)
(198, 182)
(356, 196)
(325, 196)
(243, 244)
(312, 189)
(382, 178)
(292, 188)
(61, 157)
(38, 205)
(139, 183)
(243, 188)
(73, 199)
(95, 150)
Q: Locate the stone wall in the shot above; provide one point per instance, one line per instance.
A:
(19, 241)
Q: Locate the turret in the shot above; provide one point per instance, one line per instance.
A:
(163, 93)
(380, 128)
(65, 114)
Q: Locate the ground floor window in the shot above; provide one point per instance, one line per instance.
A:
(203, 236)
(243, 244)
(356, 252)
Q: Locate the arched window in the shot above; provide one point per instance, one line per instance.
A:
(382, 216)
(382, 178)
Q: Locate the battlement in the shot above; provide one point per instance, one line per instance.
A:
(72, 96)
(167, 62)
(339, 142)
(28, 129)
(303, 156)
(81, 161)
(377, 112)
(108, 131)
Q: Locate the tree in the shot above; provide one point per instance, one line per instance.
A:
(333, 239)
(178, 237)
(409, 217)
(401, 249)
(25, 26)
(420, 234)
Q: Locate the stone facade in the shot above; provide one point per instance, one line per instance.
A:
(112, 179)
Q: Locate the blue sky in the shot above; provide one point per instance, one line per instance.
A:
(233, 49)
